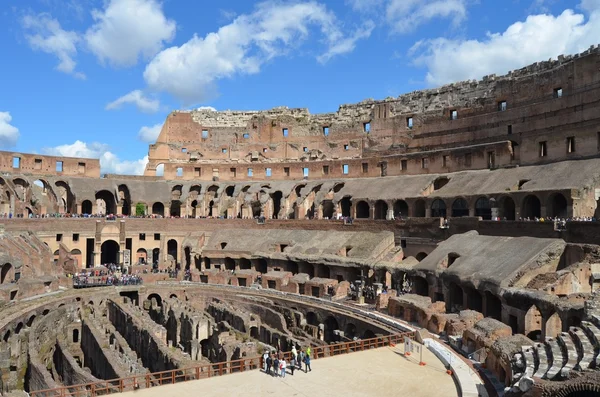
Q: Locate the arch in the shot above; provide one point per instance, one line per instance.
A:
(327, 209)
(6, 336)
(330, 326)
(312, 319)
(142, 255)
(419, 211)
(553, 326)
(155, 255)
(31, 320)
(211, 206)
(420, 256)
(420, 286)
(105, 202)
(158, 209)
(65, 197)
(460, 207)
(157, 299)
(507, 208)
(362, 210)
(338, 186)
(194, 204)
(493, 306)
(369, 334)
(256, 208)
(229, 263)
(187, 255)
(276, 197)
(6, 274)
(381, 209)
(474, 300)
(194, 191)
(229, 190)
(86, 207)
(346, 204)
(531, 207)
(350, 331)
(18, 328)
(172, 249)
(124, 199)
(109, 252)
(245, 264)
(400, 209)
(438, 209)
(440, 182)
(533, 323)
(159, 170)
(557, 206)
(455, 300)
(175, 209)
(483, 208)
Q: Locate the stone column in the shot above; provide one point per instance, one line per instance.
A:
(390, 214)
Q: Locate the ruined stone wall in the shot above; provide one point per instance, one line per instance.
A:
(69, 371)
(37, 164)
(95, 354)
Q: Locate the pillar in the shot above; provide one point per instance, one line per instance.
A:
(390, 214)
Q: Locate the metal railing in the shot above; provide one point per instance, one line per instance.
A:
(209, 370)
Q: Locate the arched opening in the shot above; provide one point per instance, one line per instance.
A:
(460, 207)
(553, 326)
(346, 204)
(105, 202)
(86, 207)
(483, 209)
(557, 206)
(141, 256)
(493, 306)
(331, 325)
(507, 208)
(420, 286)
(6, 336)
(474, 300)
(229, 191)
(229, 264)
(7, 273)
(440, 182)
(175, 209)
(158, 209)
(381, 209)
(420, 256)
(456, 298)
(369, 334)
(261, 266)
(155, 255)
(64, 197)
(276, 197)
(109, 252)
(194, 204)
(155, 299)
(400, 209)
(75, 336)
(350, 331)
(531, 207)
(172, 249)
(124, 200)
(533, 323)
(327, 206)
(187, 252)
(312, 319)
(245, 264)
(256, 209)
(438, 209)
(30, 321)
(419, 211)
(211, 206)
(573, 321)
(362, 210)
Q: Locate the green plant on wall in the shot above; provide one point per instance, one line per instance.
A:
(140, 209)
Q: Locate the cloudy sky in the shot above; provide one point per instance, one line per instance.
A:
(96, 78)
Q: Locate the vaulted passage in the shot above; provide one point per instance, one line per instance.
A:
(507, 208)
(110, 252)
(327, 209)
(158, 209)
(531, 207)
(105, 202)
(483, 208)
(438, 209)
(362, 210)
(400, 209)
(557, 206)
(460, 208)
(346, 204)
(381, 209)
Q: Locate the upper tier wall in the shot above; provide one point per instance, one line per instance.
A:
(37, 164)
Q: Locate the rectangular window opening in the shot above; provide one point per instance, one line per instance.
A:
(305, 172)
(345, 169)
(223, 150)
(367, 127)
(558, 92)
(233, 172)
(183, 150)
(246, 135)
(265, 150)
(403, 165)
(491, 159)
(285, 132)
(81, 168)
(346, 147)
(38, 164)
(286, 171)
(75, 236)
(59, 166)
(179, 171)
(204, 134)
(502, 106)
(156, 236)
(59, 237)
(142, 236)
(16, 162)
(424, 162)
(543, 149)
(445, 161)
(454, 115)
(326, 131)
(365, 168)
(509, 129)
(305, 149)
(325, 170)
(197, 171)
(571, 144)
(250, 172)
(268, 172)
(409, 122)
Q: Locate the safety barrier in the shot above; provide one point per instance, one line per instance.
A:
(209, 370)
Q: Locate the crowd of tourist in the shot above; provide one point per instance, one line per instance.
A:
(109, 274)
(274, 362)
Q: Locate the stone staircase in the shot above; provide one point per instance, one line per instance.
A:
(575, 350)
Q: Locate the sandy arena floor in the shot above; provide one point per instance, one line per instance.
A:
(378, 372)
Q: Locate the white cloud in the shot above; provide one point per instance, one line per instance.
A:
(406, 15)
(347, 44)
(590, 5)
(208, 108)
(138, 99)
(48, 36)
(127, 30)
(8, 134)
(109, 162)
(537, 38)
(149, 134)
(190, 71)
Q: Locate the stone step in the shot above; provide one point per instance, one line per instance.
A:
(593, 332)
(528, 357)
(544, 362)
(558, 358)
(585, 348)
(595, 319)
(569, 348)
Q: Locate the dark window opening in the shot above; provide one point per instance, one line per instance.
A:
(142, 236)
(409, 122)
(365, 168)
(424, 162)
(75, 236)
(325, 170)
(509, 129)
(571, 144)
(403, 165)
(59, 237)
(558, 92)
(502, 106)
(454, 115)
(543, 150)
(156, 236)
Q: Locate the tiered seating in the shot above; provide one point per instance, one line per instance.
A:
(543, 360)
(529, 359)
(585, 348)
(593, 332)
(572, 356)
(557, 358)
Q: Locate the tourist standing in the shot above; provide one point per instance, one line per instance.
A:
(265, 361)
(283, 366)
(269, 362)
(293, 364)
(307, 364)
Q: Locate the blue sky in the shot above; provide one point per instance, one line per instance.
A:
(96, 78)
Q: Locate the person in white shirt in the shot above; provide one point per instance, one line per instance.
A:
(282, 365)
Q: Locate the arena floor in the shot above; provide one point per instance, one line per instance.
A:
(378, 372)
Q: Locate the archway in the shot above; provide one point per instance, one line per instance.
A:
(158, 209)
(327, 209)
(483, 208)
(276, 197)
(460, 207)
(557, 206)
(172, 249)
(381, 209)
(420, 256)
(531, 207)
(312, 319)
(211, 206)
(64, 197)
(194, 204)
(245, 264)
(438, 209)
(7, 273)
(533, 323)
(175, 209)
(256, 209)
(142, 255)
(507, 207)
(155, 255)
(109, 252)
(155, 299)
(331, 325)
(187, 252)
(419, 211)
(346, 204)
(124, 200)
(86, 207)
(493, 306)
(553, 326)
(400, 209)
(420, 286)
(369, 334)
(456, 297)
(362, 210)
(474, 300)
(229, 264)
(105, 202)
(350, 331)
